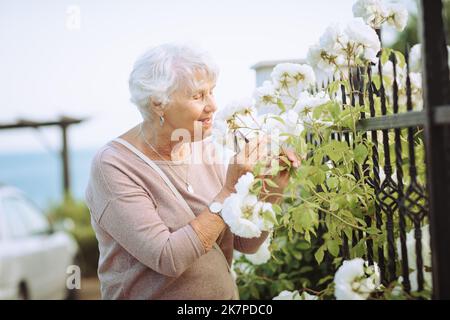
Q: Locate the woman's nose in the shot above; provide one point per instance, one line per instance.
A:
(210, 105)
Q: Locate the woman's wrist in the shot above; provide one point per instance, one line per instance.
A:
(208, 227)
(222, 195)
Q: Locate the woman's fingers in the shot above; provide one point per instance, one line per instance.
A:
(292, 157)
(255, 149)
(261, 152)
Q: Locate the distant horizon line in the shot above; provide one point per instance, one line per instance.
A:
(39, 150)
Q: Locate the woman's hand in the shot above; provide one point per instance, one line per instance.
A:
(256, 150)
(274, 194)
(208, 226)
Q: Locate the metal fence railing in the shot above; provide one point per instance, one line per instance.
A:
(404, 201)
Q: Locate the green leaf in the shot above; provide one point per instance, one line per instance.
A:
(332, 182)
(334, 205)
(348, 232)
(349, 116)
(297, 255)
(385, 54)
(345, 184)
(254, 292)
(400, 59)
(325, 279)
(335, 150)
(332, 87)
(281, 105)
(333, 247)
(278, 118)
(360, 153)
(319, 255)
(304, 218)
(306, 269)
(318, 177)
(308, 236)
(318, 156)
(376, 81)
(317, 112)
(276, 208)
(274, 167)
(257, 169)
(303, 245)
(351, 198)
(269, 217)
(334, 109)
(372, 230)
(271, 183)
(360, 248)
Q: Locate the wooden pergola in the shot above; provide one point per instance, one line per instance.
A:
(63, 123)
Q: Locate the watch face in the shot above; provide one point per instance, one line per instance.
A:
(215, 207)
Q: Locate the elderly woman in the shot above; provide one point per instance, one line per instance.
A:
(155, 211)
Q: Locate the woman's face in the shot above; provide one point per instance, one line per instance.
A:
(192, 110)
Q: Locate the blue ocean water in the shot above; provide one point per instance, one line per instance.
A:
(39, 174)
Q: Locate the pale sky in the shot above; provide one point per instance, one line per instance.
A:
(50, 67)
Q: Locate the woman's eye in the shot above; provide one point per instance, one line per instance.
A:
(197, 96)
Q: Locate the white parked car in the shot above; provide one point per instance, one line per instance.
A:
(33, 258)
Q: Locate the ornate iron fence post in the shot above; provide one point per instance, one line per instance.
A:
(436, 87)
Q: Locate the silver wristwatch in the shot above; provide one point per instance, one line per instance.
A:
(216, 208)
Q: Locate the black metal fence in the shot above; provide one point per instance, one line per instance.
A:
(402, 200)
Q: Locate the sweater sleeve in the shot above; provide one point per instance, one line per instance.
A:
(130, 217)
(249, 245)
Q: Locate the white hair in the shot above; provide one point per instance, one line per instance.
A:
(163, 70)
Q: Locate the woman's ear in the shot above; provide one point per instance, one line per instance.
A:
(156, 106)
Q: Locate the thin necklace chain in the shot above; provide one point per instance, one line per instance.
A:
(188, 185)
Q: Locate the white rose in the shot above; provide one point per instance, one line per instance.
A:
(320, 58)
(415, 58)
(427, 282)
(262, 255)
(244, 184)
(266, 94)
(332, 39)
(274, 126)
(287, 123)
(263, 223)
(372, 11)
(247, 123)
(361, 34)
(288, 295)
(234, 217)
(352, 282)
(411, 248)
(347, 278)
(237, 106)
(292, 127)
(373, 281)
(220, 131)
(293, 76)
(416, 80)
(295, 295)
(245, 215)
(291, 118)
(306, 296)
(397, 16)
(307, 102)
(242, 266)
(388, 74)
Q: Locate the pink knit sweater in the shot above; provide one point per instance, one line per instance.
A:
(148, 250)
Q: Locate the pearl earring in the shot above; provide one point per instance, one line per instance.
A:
(161, 120)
